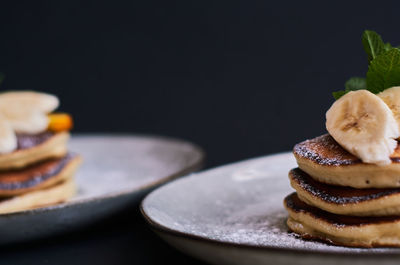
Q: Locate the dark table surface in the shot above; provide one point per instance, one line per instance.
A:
(124, 238)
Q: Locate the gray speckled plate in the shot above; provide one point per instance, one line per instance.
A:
(234, 215)
(117, 171)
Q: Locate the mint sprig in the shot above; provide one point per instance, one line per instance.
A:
(354, 83)
(383, 70)
(373, 44)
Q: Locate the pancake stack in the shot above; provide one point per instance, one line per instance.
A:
(348, 181)
(36, 168)
(340, 199)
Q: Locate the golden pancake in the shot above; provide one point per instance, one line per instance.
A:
(326, 161)
(345, 200)
(38, 176)
(34, 148)
(312, 223)
(49, 196)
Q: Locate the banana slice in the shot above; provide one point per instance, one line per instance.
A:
(391, 97)
(41, 102)
(25, 120)
(26, 111)
(8, 139)
(364, 125)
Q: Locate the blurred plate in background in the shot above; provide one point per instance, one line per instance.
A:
(117, 170)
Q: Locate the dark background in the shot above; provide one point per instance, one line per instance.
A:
(239, 78)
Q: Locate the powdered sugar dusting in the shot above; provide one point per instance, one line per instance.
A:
(121, 163)
(325, 150)
(236, 204)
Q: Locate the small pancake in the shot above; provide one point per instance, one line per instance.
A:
(38, 176)
(326, 161)
(345, 200)
(34, 148)
(312, 223)
(40, 198)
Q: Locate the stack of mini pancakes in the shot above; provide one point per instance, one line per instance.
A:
(342, 200)
(36, 168)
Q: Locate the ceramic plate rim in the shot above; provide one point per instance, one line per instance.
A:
(196, 165)
(164, 229)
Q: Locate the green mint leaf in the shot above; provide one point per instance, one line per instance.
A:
(339, 94)
(384, 71)
(387, 46)
(354, 83)
(383, 66)
(373, 44)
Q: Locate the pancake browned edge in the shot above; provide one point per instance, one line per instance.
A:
(345, 200)
(34, 148)
(312, 223)
(326, 161)
(38, 176)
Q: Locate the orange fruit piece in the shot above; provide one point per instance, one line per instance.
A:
(59, 122)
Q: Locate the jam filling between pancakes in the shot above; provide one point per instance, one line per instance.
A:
(34, 174)
(26, 141)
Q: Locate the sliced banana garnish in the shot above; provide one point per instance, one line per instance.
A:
(41, 102)
(8, 139)
(26, 111)
(364, 125)
(391, 97)
(23, 112)
(26, 120)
